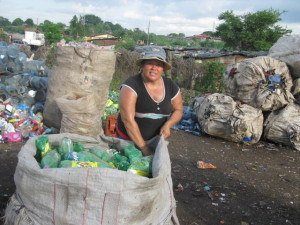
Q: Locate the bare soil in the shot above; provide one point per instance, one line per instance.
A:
(251, 185)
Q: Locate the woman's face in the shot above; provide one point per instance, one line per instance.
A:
(152, 69)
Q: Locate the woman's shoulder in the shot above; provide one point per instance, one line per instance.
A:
(134, 78)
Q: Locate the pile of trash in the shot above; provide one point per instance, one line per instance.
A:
(23, 91)
(189, 122)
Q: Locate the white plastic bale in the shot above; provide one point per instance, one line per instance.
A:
(247, 82)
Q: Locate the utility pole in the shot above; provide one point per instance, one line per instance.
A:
(148, 33)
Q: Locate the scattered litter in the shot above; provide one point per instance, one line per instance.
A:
(179, 187)
(204, 165)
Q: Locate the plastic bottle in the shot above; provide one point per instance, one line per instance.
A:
(78, 147)
(132, 153)
(42, 146)
(51, 159)
(101, 153)
(117, 158)
(140, 167)
(66, 147)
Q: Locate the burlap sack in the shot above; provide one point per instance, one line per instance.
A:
(287, 49)
(86, 71)
(72, 196)
(81, 114)
(220, 116)
(249, 81)
(283, 126)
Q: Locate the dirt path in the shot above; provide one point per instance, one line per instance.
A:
(252, 185)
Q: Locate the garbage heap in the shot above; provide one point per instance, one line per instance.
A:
(23, 91)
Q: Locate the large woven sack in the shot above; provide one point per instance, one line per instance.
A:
(72, 196)
(220, 116)
(84, 70)
(283, 126)
(287, 49)
(80, 114)
(262, 82)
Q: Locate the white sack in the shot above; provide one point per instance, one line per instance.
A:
(72, 196)
(283, 126)
(219, 115)
(248, 81)
(287, 49)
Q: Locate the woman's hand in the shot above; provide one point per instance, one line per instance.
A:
(165, 130)
(146, 150)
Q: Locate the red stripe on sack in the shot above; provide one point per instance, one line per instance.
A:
(103, 205)
(54, 202)
(84, 205)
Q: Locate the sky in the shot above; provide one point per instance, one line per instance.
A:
(158, 16)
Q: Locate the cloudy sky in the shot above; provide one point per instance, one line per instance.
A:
(166, 16)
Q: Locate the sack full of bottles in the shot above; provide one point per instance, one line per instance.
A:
(73, 154)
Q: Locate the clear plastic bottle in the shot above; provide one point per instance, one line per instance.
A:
(66, 146)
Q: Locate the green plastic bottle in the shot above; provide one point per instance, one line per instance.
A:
(120, 161)
(101, 153)
(78, 147)
(42, 146)
(132, 153)
(140, 167)
(66, 146)
(51, 159)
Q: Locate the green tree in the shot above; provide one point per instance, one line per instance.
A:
(91, 19)
(76, 27)
(126, 43)
(4, 22)
(53, 33)
(29, 22)
(252, 31)
(18, 22)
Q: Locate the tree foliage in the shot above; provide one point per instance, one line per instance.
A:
(4, 22)
(29, 22)
(18, 22)
(53, 33)
(251, 32)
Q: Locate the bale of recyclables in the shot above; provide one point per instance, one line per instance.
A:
(84, 70)
(283, 126)
(262, 82)
(68, 196)
(220, 116)
(287, 49)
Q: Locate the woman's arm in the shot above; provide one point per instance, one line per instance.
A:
(127, 102)
(175, 116)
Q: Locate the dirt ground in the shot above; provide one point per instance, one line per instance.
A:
(251, 185)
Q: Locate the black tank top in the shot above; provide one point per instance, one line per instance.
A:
(150, 114)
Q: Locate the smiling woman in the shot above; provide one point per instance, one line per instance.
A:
(150, 104)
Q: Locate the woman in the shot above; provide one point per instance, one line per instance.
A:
(150, 104)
